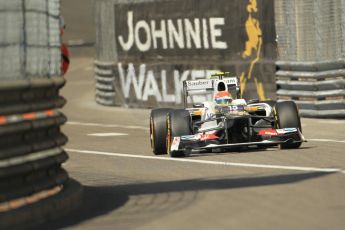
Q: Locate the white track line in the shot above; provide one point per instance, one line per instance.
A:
(107, 134)
(222, 163)
(326, 140)
(107, 125)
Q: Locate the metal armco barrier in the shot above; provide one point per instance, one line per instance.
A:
(311, 47)
(317, 88)
(145, 49)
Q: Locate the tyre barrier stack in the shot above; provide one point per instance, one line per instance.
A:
(317, 87)
(105, 83)
(33, 185)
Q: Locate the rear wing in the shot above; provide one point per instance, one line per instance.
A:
(207, 86)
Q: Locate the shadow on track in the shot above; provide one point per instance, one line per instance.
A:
(99, 201)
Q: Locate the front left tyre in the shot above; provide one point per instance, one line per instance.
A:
(158, 130)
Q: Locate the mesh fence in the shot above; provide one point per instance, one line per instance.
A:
(104, 34)
(29, 38)
(310, 30)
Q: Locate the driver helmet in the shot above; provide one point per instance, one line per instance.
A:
(223, 98)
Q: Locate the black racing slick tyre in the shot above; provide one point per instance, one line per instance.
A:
(178, 124)
(286, 116)
(158, 130)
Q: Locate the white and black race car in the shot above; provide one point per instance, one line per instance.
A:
(224, 121)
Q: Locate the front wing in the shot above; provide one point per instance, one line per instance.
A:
(270, 138)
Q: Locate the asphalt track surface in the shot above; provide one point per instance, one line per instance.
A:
(126, 187)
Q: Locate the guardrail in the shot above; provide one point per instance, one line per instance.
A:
(317, 87)
(105, 83)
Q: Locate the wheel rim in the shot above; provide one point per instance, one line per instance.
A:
(276, 117)
(168, 138)
(152, 136)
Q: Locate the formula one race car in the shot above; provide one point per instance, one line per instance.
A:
(224, 121)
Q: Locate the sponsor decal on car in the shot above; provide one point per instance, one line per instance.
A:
(276, 132)
(205, 137)
(199, 84)
(286, 130)
(199, 137)
(175, 144)
(209, 115)
(268, 132)
(231, 81)
(190, 137)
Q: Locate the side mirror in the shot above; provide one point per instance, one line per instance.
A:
(253, 101)
(198, 105)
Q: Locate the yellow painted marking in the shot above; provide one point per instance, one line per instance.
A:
(260, 89)
(243, 83)
(252, 49)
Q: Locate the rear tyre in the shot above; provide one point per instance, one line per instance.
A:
(286, 116)
(178, 124)
(158, 130)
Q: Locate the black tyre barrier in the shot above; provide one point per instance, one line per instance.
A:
(37, 213)
(35, 180)
(56, 102)
(105, 83)
(31, 153)
(317, 88)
